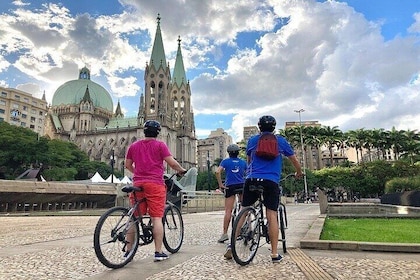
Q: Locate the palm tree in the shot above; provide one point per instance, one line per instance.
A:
(396, 138)
(411, 146)
(332, 136)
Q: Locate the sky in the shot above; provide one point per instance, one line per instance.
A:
(351, 64)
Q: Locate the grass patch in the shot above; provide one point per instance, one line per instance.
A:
(391, 230)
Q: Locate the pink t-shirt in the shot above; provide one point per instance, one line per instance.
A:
(148, 156)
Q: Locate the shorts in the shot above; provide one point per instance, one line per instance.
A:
(232, 189)
(271, 193)
(155, 195)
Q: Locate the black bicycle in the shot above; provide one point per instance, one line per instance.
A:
(250, 225)
(112, 246)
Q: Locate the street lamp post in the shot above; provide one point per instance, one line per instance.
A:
(303, 154)
(112, 165)
(208, 170)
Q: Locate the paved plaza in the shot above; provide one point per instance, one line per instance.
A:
(61, 248)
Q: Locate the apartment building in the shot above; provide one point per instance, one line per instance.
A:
(22, 109)
(212, 148)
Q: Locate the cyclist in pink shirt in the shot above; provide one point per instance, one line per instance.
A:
(145, 159)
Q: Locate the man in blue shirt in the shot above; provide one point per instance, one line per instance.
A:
(268, 173)
(234, 168)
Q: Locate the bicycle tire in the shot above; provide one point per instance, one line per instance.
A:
(173, 228)
(285, 215)
(109, 238)
(282, 228)
(245, 237)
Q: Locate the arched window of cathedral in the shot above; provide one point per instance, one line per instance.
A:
(152, 105)
(122, 140)
(182, 102)
(152, 89)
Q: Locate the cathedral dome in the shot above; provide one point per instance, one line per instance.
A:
(72, 92)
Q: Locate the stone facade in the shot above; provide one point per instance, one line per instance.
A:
(81, 112)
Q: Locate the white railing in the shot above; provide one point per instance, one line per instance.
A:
(201, 201)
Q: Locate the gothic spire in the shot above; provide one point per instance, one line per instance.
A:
(179, 70)
(118, 112)
(158, 58)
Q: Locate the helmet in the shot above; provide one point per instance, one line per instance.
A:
(267, 123)
(151, 128)
(233, 148)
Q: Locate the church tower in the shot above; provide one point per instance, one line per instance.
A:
(180, 90)
(157, 83)
(167, 99)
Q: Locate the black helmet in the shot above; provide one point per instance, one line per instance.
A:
(267, 123)
(233, 148)
(151, 128)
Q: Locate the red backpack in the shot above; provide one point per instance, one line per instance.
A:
(267, 146)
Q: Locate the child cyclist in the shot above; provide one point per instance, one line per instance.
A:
(234, 168)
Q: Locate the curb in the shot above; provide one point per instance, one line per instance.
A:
(312, 241)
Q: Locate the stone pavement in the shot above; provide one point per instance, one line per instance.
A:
(61, 248)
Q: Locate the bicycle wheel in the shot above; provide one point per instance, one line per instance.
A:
(245, 237)
(282, 227)
(173, 228)
(110, 241)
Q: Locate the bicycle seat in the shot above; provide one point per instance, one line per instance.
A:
(130, 188)
(238, 191)
(256, 188)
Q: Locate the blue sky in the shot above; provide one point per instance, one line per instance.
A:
(352, 64)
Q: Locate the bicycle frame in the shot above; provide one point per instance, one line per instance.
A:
(121, 230)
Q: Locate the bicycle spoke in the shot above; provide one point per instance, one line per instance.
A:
(245, 236)
(111, 238)
(173, 226)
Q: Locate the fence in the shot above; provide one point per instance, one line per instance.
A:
(201, 201)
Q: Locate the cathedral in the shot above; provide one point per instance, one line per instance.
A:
(82, 112)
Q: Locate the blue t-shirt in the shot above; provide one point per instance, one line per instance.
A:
(235, 169)
(266, 169)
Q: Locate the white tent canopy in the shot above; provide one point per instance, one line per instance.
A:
(97, 178)
(126, 180)
(114, 179)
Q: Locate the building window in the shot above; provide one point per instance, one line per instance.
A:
(15, 106)
(2, 102)
(25, 108)
(3, 94)
(23, 124)
(24, 116)
(17, 97)
(2, 111)
(32, 119)
(26, 99)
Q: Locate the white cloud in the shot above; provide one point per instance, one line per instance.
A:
(321, 56)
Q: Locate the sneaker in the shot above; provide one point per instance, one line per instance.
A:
(228, 253)
(223, 238)
(160, 256)
(276, 259)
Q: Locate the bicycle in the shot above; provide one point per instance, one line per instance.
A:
(250, 225)
(237, 205)
(110, 240)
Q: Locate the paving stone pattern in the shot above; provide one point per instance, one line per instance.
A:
(62, 248)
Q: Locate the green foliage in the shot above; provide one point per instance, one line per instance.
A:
(21, 148)
(203, 181)
(402, 184)
(368, 179)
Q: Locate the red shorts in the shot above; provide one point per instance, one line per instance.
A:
(155, 195)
